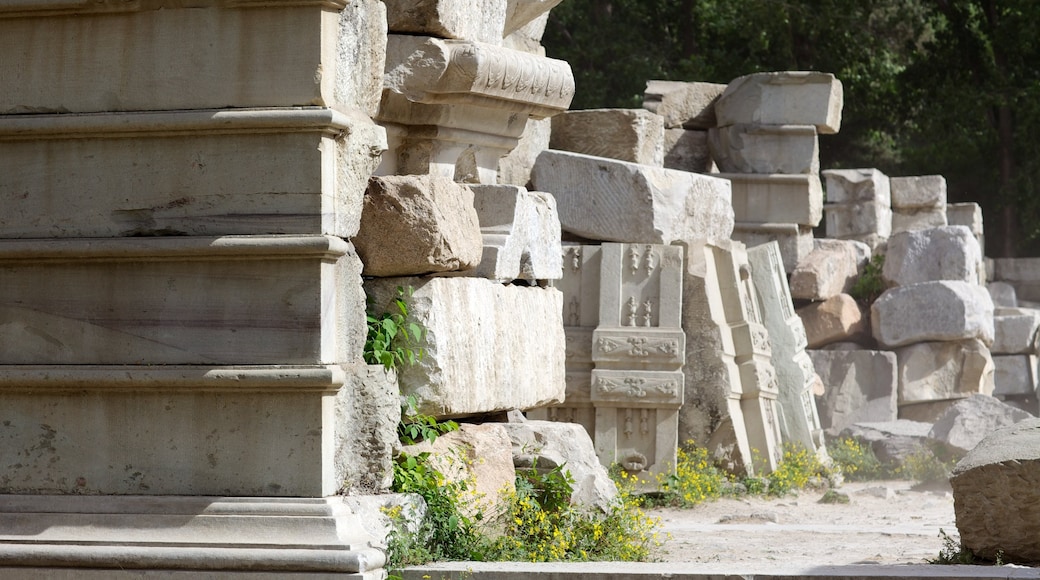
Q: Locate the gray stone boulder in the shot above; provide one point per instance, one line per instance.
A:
(836, 319)
(545, 445)
(996, 494)
(891, 441)
(969, 421)
(938, 311)
(943, 253)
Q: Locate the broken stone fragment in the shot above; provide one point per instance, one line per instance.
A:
(832, 268)
(783, 98)
(857, 185)
(634, 135)
(477, 20)
(932, 311)
(836, 319)
(934, 371)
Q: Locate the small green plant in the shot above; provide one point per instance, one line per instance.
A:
(796, 469)
(392, 339)
(952, 552)
(832, 496)
(855, 459)
(923, 466)
(415, 427)
(870, 285)
(696, 478)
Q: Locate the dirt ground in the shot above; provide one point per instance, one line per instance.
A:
(885, 522)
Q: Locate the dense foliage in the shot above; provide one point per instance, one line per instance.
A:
(931, 86)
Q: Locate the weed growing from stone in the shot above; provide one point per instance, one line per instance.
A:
(869, 285)
(392, 340)
(415, 427)
(952, 552)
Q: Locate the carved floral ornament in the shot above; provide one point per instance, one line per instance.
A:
(638, 346)
(637, 387)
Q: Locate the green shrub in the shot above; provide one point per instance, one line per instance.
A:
(869, 285)
(855, 459)
(393, 340)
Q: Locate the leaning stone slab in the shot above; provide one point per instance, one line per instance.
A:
(1015, 374)
(783, 98)
(934, 371)
(859, 386)
(606, 199)
(765, 149)
(836, 319)
(478, 20)
(472, 349)
(796, 199)
(418, 224)
(521, 234)
(970, 420)
(634, 135)
(545, 445)
(687, 150)
(1016, 331)
(796, 241)
(995, 490)
(945, 253)
(919, 192)
(686, 105)
(832, 268)
(932, 311)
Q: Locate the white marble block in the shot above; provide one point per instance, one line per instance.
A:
(1016, 331)
(634, 135)
(932, 311)
(909, 220)
(783, 98)
(857, 186)
(937, 371)
(610, 200)
(478, 334)
(478, 20)
(765, 149)
(778, 198)
(918, 192)
(521, 234)
(944, 253)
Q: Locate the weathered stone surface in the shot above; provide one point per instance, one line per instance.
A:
(836, 319)
(765, 149)
(932, 371)
(368, 410)
(932, 311)
(687, 150)
(1002, 294)
(831, 268)
(945, 253)
(482, 456)
(783, 98)
(1022, 273)
(858, 186)
(479, 20)
(859, 386)
(634, 135)
(686, 105)
(1015, 374)
(994, 494)
(520, 13)
(605, 199)
(969, 421)
(870, 223)
(521, 233)
(892, 441)
(909, 220)
(472, 348)
(135, 58)
(1015, 331)
(796, 241)
(236, 300)
(919, 192)
(515, 168)
(417, 224)
(528, 38)
(545, 445)
(967, 214)
(235, 172)
(796, 199)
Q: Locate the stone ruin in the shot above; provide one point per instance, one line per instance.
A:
(193, 232)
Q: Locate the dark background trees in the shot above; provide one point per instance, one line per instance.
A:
(931, 86)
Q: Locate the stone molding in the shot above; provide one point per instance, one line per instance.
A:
(67, 7)
(173, 378)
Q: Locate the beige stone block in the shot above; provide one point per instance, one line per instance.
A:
(521, 13)
(783, 98)
(918, 192)
(368, 412)
(634, 135)
(181, 300)
(515, 168)
(1022, 273)
(920, 219)
(682, 104)
(796, 241)
(867, 222)
(278, 171)
(606, 199)
(932, 311)
(938, 371)
(837, 319)
(477, 20)
(832, 268)
(796, 199)
(944, 253)
(418, 224)
(687, 150)
(472, 349)
(766, 149)
(1016, 331)
(965, 214)
(129, 57)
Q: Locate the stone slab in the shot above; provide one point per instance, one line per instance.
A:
(939, 371)
(610, 200)
(687, 150)
(796, 199)
(943, 253)
(181, 300)
(1003, 295)
(908, 220)
(135, 58)
(866, 222)
(766, 149)
(690, 105)
(932, 311)
(965, 214)
(482, 21)
(831, 268)
(796, 241)
(918, 192)
(859, 386)
(857, 186)
(189, 173)
(783, 98)
(634, 135)
(472, 350)
(1015, 374)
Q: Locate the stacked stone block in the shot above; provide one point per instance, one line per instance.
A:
(859, 206)
(688, 111)
(918, 202)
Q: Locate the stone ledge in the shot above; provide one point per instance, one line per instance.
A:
(172, 378)
(181, 249)
(19, 8)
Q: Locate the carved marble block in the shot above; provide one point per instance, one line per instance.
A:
(521, 234)
(638, 349)
(796, 376)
